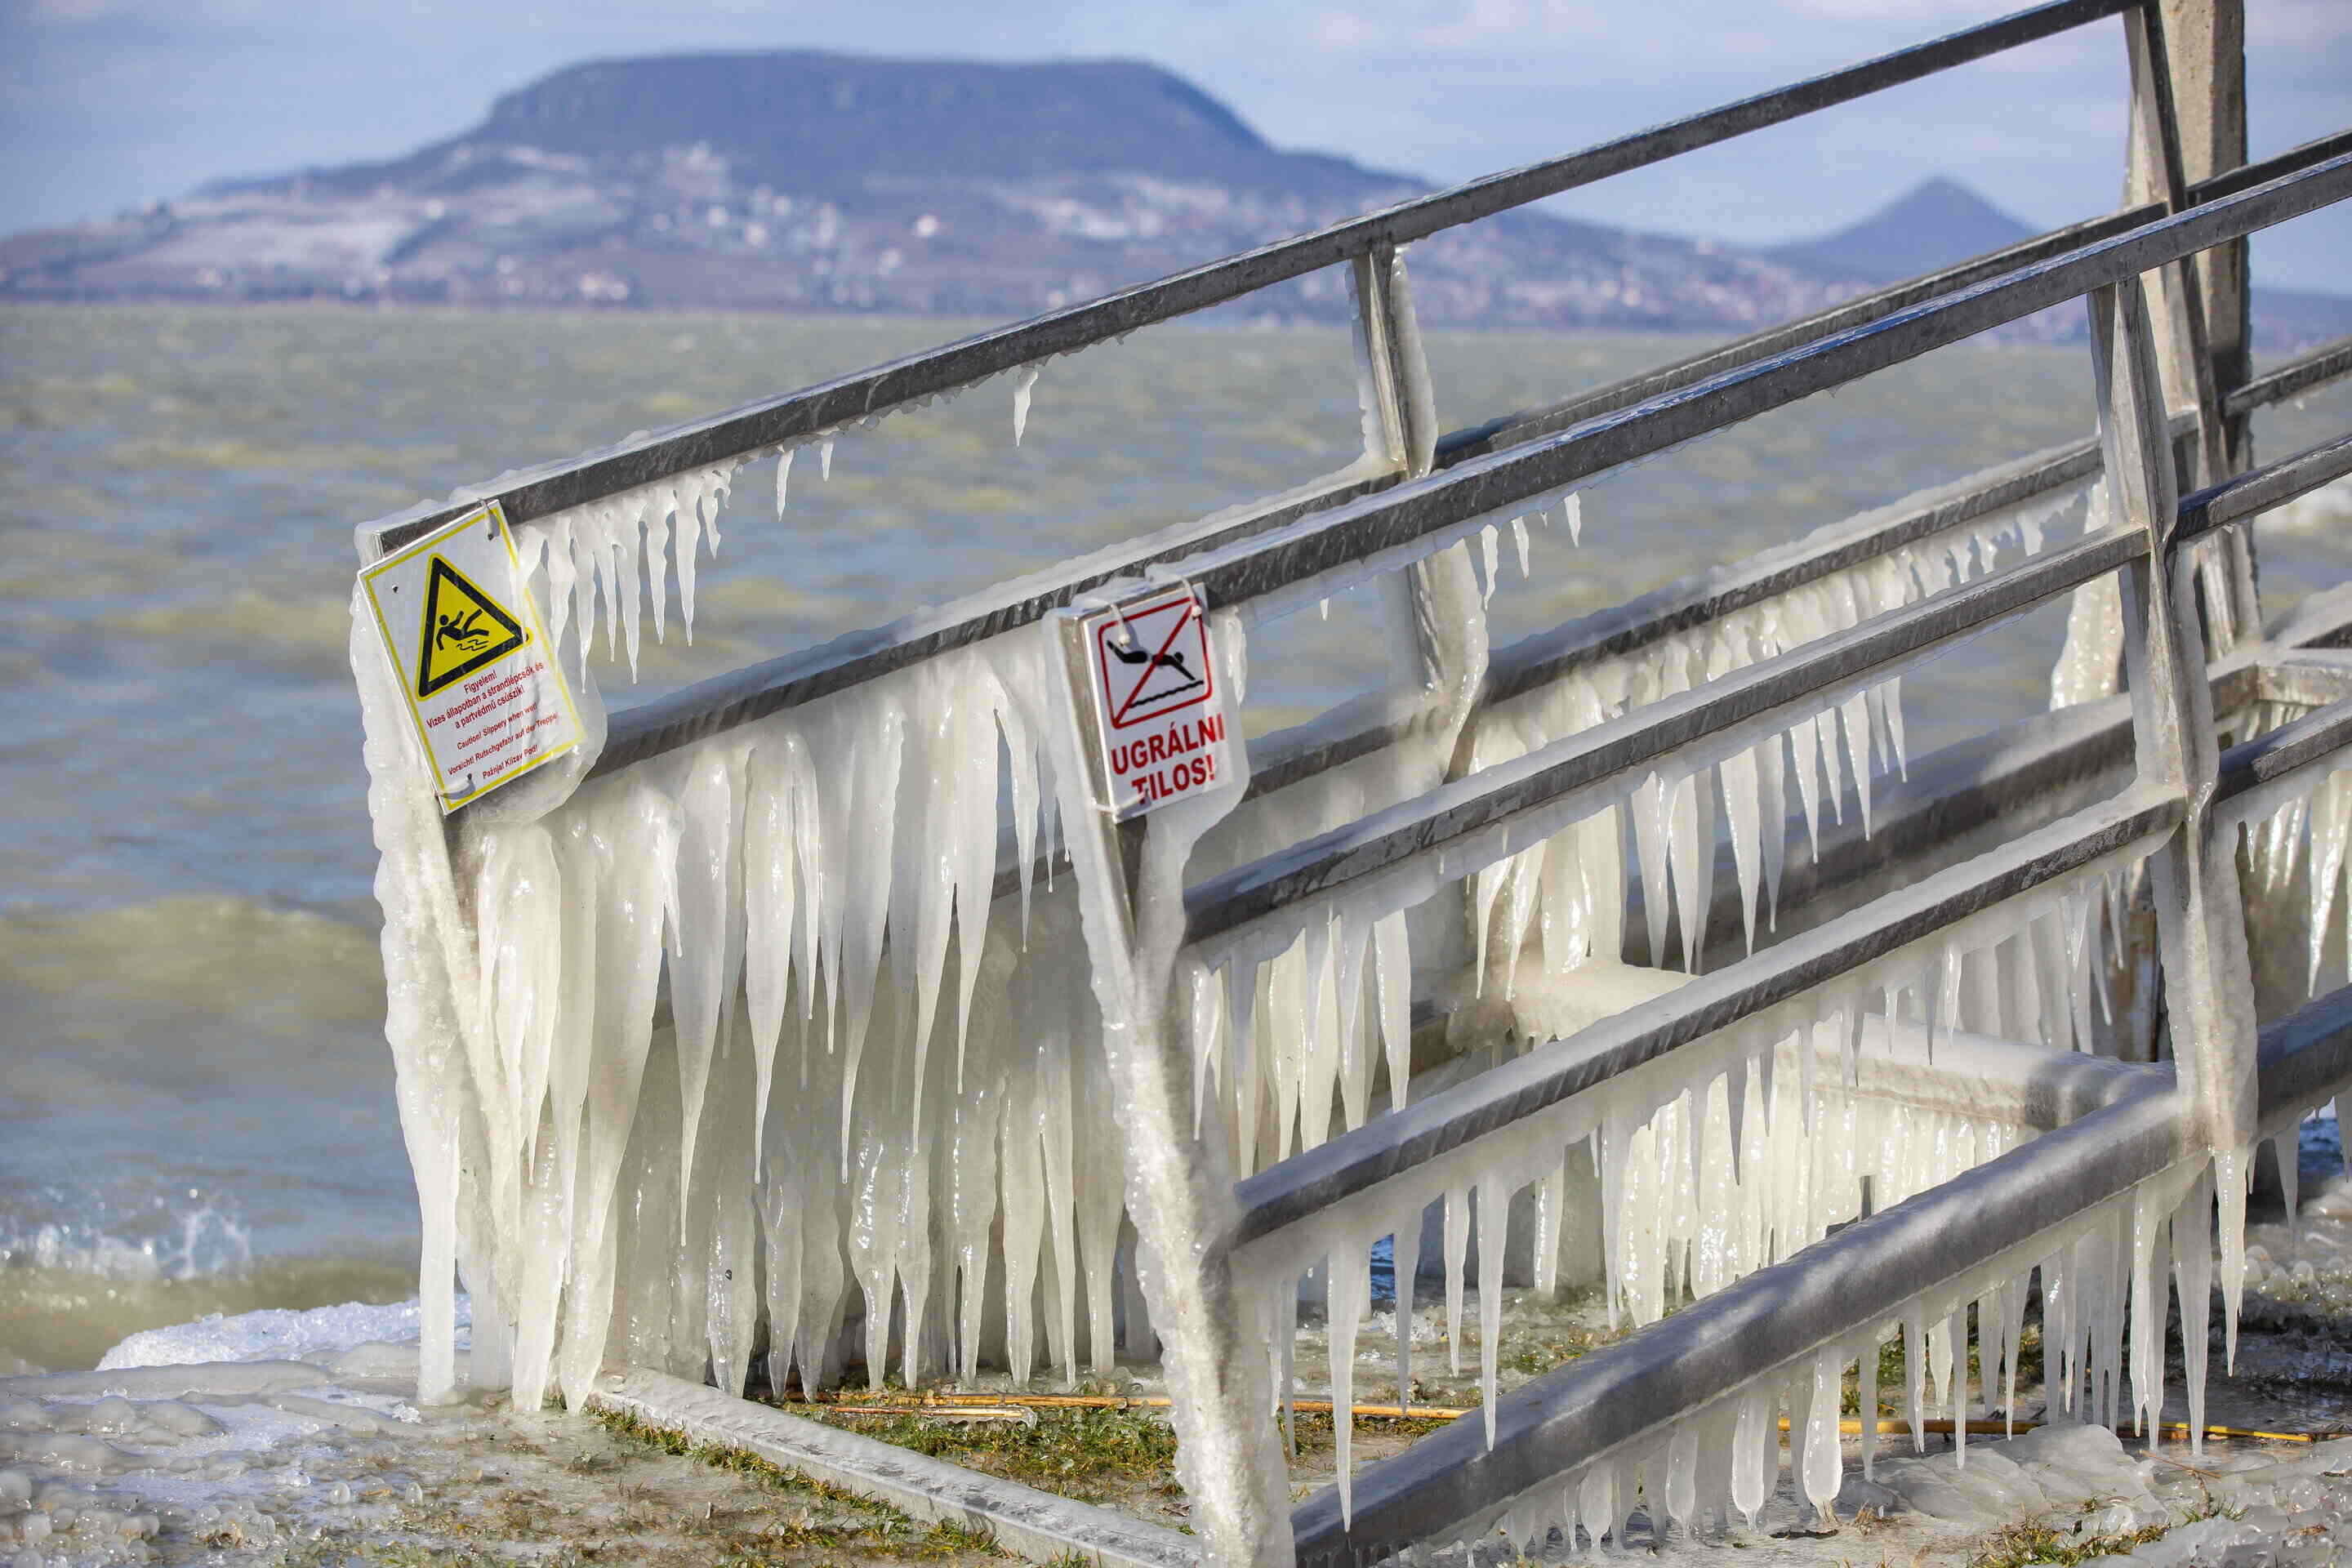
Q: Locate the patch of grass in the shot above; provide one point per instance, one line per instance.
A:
(2034, 1541)
(873, 1529)
(1536, 1357)
(1317, 1433)
(1087, 1454)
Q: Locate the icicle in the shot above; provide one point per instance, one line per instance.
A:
(1347, 1280)
(1493, 1226)
(1650, 844)
(1755, 1444)
(1519, 532)
(1597, 1500)
(1457, 1250)
(783, 478)
(1024, 381)
(1392, 981)
(2234, 1171)
(825, 458)
(1915, 1367)
(2192, 1265)
(1404, 1256)
(1804, 740)
(1819, 1462)
(2284, 1154)
(1573, 505)
(1867, 1386)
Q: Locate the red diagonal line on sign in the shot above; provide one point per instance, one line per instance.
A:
(1181, 622)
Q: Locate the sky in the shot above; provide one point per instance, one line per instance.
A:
(106, 104)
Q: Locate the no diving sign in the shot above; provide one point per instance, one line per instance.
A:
(472, 661)
(1159, 714)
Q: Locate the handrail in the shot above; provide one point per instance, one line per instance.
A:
(2274, 484)
(2322, 364)
(1404, 521)
(802, 414)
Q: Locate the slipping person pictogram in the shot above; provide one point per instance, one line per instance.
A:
(464, 629)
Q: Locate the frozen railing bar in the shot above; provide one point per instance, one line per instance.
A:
(2252, 493)
(2305, 1057)
(1377, 720)
(1298, 1188)
(2032, 772)
(2246, 176)
(1978, 1077)
(1311, 556)
(2320, 366)
(1862, 1276)
(2313, 677)
(2314, 740)
(2029, 773)
(753, 692)
(1526, 425)
(1543, 657)
(779, 421)
(1489, 799)
(1307, 537)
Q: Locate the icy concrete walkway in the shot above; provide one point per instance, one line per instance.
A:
(315, 1456)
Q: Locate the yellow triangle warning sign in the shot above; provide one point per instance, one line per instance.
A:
(465, 629)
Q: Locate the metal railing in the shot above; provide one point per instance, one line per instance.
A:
(1422, 493)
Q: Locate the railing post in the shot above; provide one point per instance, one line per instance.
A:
(1438, 598)
(2166, 91)
(2207, 986)
(2205, 55)
(1180, 1179)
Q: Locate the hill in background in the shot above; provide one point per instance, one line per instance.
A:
(800, 180)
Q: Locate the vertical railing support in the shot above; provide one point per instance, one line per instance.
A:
(1439, 597)
(1180, 1177)
(2208, 985)
(1447, 653)
(2204, 46)
(2157, 171)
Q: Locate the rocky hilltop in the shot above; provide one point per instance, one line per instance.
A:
(800, 180)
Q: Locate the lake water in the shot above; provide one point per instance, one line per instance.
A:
(195, 1108)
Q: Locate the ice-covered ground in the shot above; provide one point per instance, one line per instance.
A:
(292, 1438)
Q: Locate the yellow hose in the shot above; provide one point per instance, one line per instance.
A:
(915, 1404)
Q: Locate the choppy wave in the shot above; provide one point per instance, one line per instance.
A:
(69, 1291)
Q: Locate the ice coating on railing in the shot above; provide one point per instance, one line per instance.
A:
(859, 1071)
(1673, 818)
(2104, 1280)
(1305, 1022)
(1712, 1162)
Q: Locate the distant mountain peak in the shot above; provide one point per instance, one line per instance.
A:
(813, 119)
(1936, 223)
